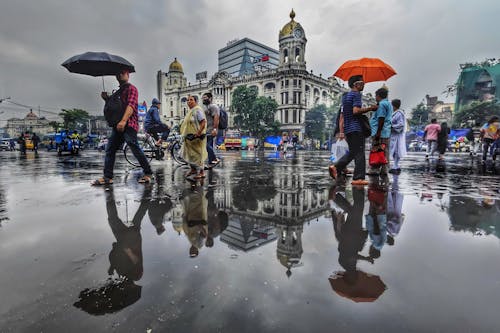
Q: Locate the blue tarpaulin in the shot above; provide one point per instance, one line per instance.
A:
(274, 140)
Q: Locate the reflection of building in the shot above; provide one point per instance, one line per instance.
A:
(247, 232)
(289, 249)
(294, 88)
(246, 56)
(281, 216)
(31, 123)
(478, 82)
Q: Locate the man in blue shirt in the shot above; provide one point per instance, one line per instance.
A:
(153, 124)
(380, 124)
(350, 129)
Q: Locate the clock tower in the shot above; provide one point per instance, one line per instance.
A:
(292, 42)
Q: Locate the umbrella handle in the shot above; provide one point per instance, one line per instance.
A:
(103, 89)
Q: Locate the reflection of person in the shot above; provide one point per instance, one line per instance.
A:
(153, 124)
(159, 204)
(125, 258)
(124, 131)
(193, 130)
(195, 219)
(126, 255)
(349, 230)
(376, 219)
(350, 126)
(217, 219)
(394, 206)
(397, 145)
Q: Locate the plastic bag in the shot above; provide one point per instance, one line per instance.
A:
(339, 149)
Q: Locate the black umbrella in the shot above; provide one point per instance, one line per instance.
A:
(97, 64)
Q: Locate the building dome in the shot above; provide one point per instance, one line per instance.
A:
(288, 28)
(31, 116)
(175, 66)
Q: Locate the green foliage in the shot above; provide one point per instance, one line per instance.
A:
(254, 114)
(75, 118)
(478, 112)
(55, 125)
(315, 122)
(419, 115)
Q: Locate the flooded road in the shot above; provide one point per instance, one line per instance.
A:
(263, 244)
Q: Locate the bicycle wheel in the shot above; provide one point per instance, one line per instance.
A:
(175, 152)
(147, 148)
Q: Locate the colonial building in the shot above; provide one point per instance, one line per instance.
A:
(442, 112)
(31, 123)
(295, 89)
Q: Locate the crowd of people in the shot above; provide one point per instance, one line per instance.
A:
(199, 129)
(386, 129)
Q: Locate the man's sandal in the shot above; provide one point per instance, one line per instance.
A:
(102, 181)
(144, 179)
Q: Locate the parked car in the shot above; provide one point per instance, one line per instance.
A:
(5, 144)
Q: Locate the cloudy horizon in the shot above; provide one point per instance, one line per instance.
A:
(425, 41)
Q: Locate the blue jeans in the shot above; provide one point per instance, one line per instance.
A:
(115, 142)
(210, 149)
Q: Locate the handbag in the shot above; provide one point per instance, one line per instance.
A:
(365, 125)
(377, 156)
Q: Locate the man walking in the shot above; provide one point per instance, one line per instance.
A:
(350, 129)
(212, 115)
(380, 124)
(153, 124)
(431, 135)
(124, 131)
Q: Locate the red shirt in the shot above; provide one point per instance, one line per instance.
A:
(130, 98)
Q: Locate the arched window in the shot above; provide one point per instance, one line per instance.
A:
(285, 55)
(269, 87)
(297, 54)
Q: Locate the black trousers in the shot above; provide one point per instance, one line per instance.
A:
(356, 143)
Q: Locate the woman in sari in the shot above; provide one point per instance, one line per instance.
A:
(193, 130)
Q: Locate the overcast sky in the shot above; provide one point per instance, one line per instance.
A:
(424, 40)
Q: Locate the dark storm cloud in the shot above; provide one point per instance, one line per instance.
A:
(424, 41)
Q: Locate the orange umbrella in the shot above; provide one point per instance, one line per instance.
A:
(360, 287)
(372, 69)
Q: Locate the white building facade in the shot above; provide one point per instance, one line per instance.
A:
(295, 89)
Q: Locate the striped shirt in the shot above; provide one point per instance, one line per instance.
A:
(349, 101)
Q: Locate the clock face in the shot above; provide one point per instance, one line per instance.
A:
(297, 33)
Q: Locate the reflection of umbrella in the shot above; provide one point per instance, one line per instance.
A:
(462, 139)
(97, 64)
(357, 286)
(372, 69)
(114, 296)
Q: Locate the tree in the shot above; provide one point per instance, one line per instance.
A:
(419, 114)
(55, 125)
(75, 119)
(476, 112)
(254, 114)
(315, 122)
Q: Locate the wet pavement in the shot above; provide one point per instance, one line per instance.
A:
(263, 244)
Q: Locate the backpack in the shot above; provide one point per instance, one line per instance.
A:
(113, 108)
(222, 118)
